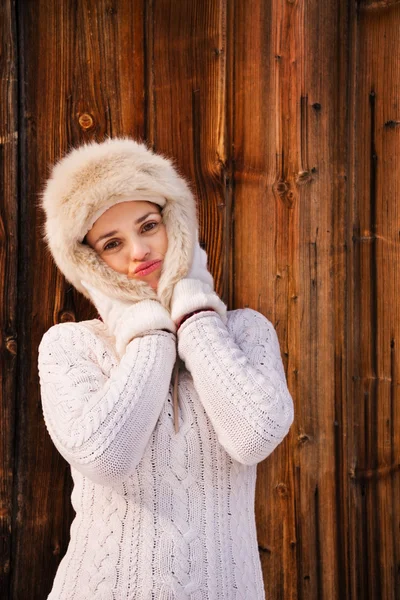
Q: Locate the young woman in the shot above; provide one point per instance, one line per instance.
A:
(164, 468)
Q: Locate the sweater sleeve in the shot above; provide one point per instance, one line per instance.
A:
(240, 380)
(101, 424)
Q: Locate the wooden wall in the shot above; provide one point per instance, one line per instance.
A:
(286, 116)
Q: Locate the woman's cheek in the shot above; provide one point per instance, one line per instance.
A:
(117, 263)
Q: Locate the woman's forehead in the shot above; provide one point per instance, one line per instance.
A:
(127, 210)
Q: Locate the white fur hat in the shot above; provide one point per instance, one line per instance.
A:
(92, 178)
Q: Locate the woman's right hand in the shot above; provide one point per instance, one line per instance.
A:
(196, 291)
(127, 320)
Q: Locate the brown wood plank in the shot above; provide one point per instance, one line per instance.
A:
(289, 263)
(261, 276)
(320, 458)
(375, 441)
(8, 281)
(83, 70)
(187, 111)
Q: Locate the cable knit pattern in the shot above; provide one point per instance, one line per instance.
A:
(163, 515)
(244, 392)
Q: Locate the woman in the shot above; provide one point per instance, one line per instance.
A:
(164, 498)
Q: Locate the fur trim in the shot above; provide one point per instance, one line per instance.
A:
(94, 177)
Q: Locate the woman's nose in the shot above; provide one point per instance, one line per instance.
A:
(139, 249)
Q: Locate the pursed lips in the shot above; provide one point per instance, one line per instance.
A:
(147, 267)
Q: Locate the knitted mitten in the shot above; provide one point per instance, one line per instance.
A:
(127, 320)
(196, 291)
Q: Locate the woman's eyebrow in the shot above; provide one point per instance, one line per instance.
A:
(106, 235)
(110, 233)
(145, 217)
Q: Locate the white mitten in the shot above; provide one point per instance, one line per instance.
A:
(199, 270)
(127, 320)
(196, 290)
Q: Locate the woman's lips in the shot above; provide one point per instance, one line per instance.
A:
(148, 267)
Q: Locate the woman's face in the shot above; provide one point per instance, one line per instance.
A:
(132, 239)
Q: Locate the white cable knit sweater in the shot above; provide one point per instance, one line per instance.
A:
(160, 515)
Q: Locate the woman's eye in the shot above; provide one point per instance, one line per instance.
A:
(110, 245)
(149, 226)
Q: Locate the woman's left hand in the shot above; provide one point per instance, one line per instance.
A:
(196, 291)
(127, 320)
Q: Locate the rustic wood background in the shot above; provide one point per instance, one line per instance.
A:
(286, 116)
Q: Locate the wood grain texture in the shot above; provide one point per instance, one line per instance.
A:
(374, 5)
(260, 230)
(8, 280)
(289, 263)
(374, 443)
(187, 108)
(285, 117)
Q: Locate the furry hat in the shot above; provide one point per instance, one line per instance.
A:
(92, 178)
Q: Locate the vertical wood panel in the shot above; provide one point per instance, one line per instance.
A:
(82, 65)
(321, 183)
(8, 280)
(187, 98)
(375, 284)
(289, 263)
(265, 214)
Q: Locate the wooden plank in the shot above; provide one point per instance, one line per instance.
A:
(290, 262)
(261, 269)
(375, 281)
(187, 110)
(8, 281)
(83, 70)
(321, 468)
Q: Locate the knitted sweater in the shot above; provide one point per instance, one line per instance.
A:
(163, 515)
